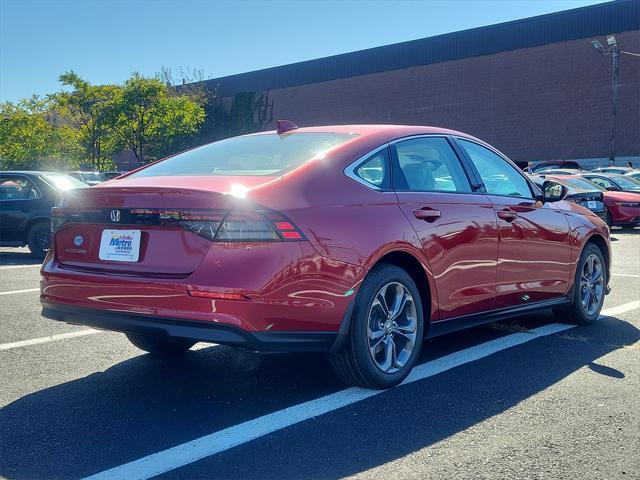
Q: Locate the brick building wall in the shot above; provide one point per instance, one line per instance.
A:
(541, 103)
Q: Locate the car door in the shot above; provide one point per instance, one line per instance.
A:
(19, 196)
(455, 224)
(534, 251)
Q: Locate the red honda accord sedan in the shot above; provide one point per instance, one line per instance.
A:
(358, 241)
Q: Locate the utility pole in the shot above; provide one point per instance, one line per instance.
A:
(614, 104)
(613, 49)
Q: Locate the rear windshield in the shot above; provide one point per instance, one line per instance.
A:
(91, 177)
(269, 154)
(63, 182)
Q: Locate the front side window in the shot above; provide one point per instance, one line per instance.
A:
(428, 164)
(374, 170)
(17, 188)
(267, 154)
(603, 182)
(498, 176)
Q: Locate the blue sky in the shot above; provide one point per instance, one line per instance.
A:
(104, 41)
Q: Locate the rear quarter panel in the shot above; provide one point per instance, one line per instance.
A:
(583, 225)
(344, 220)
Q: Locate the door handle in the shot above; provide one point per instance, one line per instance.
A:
(427, 214)
(507, 214)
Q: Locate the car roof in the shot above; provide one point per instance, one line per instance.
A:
(27, 172)
(603, 174)
(366, 129)
(33, 172)
(613, 168)
(382, 132)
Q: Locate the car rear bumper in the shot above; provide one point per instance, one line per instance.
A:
(190, 329)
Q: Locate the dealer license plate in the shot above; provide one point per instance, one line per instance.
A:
(120, 245)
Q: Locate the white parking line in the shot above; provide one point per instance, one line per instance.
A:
(620, 309)
(631, 275)
(51, 338)
(222, 440)
(11, 292)
(9, 267)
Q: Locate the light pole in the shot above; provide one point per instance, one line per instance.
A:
(613, 49)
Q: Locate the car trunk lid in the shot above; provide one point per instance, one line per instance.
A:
(145, 227)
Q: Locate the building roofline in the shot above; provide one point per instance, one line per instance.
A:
(584, 22)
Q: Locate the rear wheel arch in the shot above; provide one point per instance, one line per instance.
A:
(601, 243)
(416, 270)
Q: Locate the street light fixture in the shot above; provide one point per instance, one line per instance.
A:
(598, 46)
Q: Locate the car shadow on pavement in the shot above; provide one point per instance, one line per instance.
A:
(143, 405)
(18, 257)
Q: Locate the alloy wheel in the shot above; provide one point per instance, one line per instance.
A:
(44, 241)
(392, 327)
(591, 284)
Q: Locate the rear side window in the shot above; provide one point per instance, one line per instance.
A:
(18, 188)
(429, 164)
(268, 154)
(375, 170)
(499, 177)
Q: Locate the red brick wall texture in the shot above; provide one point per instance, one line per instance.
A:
(549, 102)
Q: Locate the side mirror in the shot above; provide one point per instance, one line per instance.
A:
(611, 188)
(553, 192)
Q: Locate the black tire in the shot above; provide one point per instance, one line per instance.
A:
(39, 239)
(355, 365)
(608, 219)
(158, 346)
(576, 313)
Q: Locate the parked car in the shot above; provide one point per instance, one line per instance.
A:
(353, 240)
(635, 174)
(614, 182)
(621, 208)
(579, 191)
(618, 170)
(563, 164)
(26, 199)
(90, 178)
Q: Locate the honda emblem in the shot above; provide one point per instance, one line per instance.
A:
(115, 216)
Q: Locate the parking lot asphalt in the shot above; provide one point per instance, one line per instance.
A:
(525, 398)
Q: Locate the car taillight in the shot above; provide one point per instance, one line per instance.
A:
(61, 215)
(57, 219)
(214, 225)
(256, 226)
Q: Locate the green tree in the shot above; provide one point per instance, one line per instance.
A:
(28, 137)
(153, 119)
(84, 115)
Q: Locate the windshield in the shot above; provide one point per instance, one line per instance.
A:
(63, 182)
(627, 183)
(575, 185)
(583, 184)
(91, 177)
(249, 155)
